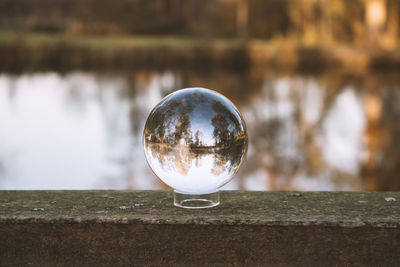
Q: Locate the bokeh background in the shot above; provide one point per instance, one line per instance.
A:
(317, 82)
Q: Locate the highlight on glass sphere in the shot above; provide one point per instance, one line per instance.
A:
(195, 140)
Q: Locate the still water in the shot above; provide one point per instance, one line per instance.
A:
(83, 130)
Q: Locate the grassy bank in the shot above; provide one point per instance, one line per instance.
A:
(33, 51)
(42, 51)
(107, 42)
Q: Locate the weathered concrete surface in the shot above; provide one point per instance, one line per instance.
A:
(50, 228)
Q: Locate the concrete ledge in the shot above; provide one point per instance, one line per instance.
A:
(50, 228)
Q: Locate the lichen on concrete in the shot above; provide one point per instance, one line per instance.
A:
(351, 209)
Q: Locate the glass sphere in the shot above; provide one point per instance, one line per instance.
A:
(195, 140)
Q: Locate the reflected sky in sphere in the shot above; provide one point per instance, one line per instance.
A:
(195, 140)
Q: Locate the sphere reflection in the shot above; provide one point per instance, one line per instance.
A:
(195, 140)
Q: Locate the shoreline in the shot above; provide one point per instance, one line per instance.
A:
(36, 51)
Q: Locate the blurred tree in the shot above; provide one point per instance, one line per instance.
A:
(393, 23)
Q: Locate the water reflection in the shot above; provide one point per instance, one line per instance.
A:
(83, 130)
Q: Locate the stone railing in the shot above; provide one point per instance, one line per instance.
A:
(79, 228)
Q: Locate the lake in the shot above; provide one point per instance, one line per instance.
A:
(83, 129)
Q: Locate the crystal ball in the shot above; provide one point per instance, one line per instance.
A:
(195, 140)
